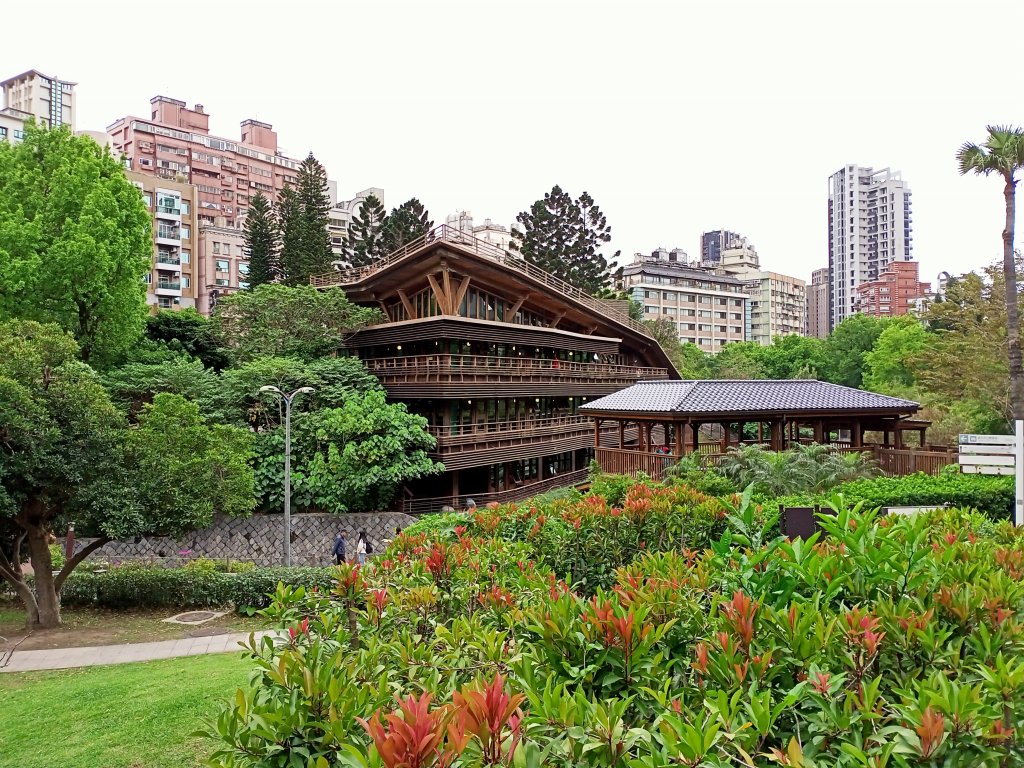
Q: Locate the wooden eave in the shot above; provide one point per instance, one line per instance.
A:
(751, 416)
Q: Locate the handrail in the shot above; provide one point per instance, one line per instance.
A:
(517, 493)
(481, 363)
(456, 236)
(477, 429)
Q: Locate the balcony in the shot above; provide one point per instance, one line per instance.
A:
(168, 235)
(168, 288)
(168, 262)
(516, 493)
(481, 444)
(454, 375)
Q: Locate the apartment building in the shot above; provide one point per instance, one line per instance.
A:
(223, 265)
(50, 100)
(174, 143)
(170, 283)
(778, 302)
(869, 227)
(710, 310)
(897, 291)
(817, 304)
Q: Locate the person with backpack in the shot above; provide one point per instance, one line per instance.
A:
(363, 547)
(339, 548)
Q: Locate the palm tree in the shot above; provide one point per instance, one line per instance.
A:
(1003, 153)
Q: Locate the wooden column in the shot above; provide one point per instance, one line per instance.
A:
(622, 433)
(899, 437)
(643, 435)
(678, 438)
(695, 428)
(725, 437)
(857, 436)
(760, 431)
(739, 432)
(819, 431)
(597, 433)
(776, 441)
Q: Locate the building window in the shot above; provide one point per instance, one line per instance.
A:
(222, 265)
(184, 207)
(186, 233)
(186, 257)
(164, 302)
(147, 199)
(186, 281)
(148, 278)
(243, 269)
(216, 247)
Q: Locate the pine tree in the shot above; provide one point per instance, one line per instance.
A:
(563, 237)
(262, 239)
(315, 200)
(364, 242)
(302, 210)
(405, 223)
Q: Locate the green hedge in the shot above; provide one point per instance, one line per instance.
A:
(137, 586)
(992, 495)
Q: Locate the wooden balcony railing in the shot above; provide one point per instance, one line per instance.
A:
(616, 461)
(481, 248)
(516, 493)
(483, 368)
(488, 431)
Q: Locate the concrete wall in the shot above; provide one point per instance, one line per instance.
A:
(259, 539)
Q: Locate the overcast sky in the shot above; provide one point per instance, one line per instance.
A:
(677, 117)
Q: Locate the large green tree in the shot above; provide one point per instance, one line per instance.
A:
(403, 225)
(299, 321)
(891, 365)
(846, 347)
(184, 331)
(262, 239)
(302, 213)
(365, 241)
(68, 454)
(1002, 154)
(564, 237)
(74, 241)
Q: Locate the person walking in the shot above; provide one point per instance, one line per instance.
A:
(339, 548)
(362, 547)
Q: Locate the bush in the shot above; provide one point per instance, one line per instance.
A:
(194, 586)
(892, 642)
(56, 556)
(687, 471)
(991, 494)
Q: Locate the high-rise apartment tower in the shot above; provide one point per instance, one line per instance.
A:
(869, 227)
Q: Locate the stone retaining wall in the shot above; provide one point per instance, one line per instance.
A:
(259, 539)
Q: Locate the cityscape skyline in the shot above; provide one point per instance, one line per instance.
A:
(661, 181)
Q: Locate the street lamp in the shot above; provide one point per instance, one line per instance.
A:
(287, 462)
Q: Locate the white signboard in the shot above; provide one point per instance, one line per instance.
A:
(997, 455)
(987, 454)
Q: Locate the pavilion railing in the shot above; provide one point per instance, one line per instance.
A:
(456, 236)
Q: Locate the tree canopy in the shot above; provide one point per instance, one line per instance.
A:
(262, 240)
(365, 241)
(71, 455)
(75, 241)
(403, 225)
(563, 236)
(302, 215)
(278, 320)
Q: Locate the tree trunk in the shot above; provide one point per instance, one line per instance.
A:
(46, 598)
(1012, 318)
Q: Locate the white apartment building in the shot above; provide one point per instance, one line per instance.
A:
(710, 310)
(869, 226)
(50, 100)
(778, 303)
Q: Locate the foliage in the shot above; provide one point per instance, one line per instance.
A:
(186, 331)
(440, 523)
(74, 241)
(303, 217)
(848, 345)
(145, 586)
(134, 385)
(366, 240)
(892, 642)
(349, 458)
(262, 239)
(890, 366)
(803, 468)
(563, 236)
(69, 455)
(403, 225)
(278, 320)
(690, 471)
(990, 494)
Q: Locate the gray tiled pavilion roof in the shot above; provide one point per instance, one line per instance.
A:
(745, 396)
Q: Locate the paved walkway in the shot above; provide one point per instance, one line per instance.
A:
(91, 656)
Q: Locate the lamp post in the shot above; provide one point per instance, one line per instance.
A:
(287, 462)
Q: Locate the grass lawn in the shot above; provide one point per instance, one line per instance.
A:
(124, 716)
(93, 626)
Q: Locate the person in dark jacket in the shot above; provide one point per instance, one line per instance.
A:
(339, 548)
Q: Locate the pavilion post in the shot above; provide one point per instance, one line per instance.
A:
(857, 435)
(597, 433)
(819, 431)
(695, 429)
(622, 433)
(678, 431)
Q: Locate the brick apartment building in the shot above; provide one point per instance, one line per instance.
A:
(894, 292)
